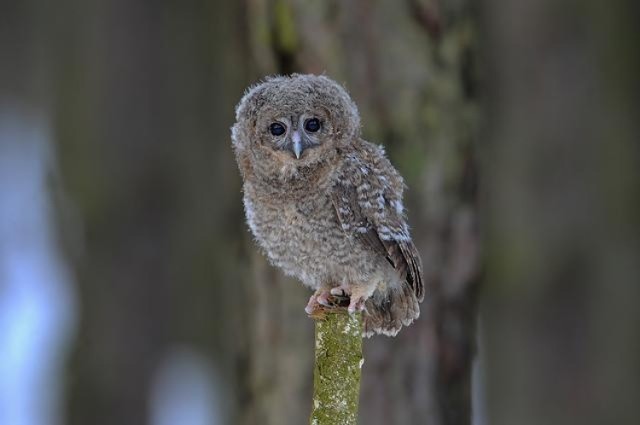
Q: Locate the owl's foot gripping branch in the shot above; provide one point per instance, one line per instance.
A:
(324, 301)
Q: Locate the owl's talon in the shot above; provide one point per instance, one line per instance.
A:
(356, 305)
(356, 298)
(311, 305)
(317, 300)
(338, 291)
(323, 299)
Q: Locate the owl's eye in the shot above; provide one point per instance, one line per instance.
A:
(312, 125)
(277, 129)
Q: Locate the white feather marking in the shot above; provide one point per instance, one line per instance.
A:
(250, 214)
(399, 207)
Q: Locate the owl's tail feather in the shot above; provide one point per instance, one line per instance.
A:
(387, 314)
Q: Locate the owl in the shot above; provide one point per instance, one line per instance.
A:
(324, 205)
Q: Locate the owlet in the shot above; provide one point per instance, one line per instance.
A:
(325, 205)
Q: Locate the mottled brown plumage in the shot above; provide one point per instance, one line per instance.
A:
(324, 205)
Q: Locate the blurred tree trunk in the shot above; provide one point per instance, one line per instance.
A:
(410, 67)
(560, 320)
(144, 104)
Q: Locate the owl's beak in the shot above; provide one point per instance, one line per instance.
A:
(297, 144)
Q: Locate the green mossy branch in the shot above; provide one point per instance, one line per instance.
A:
(338, 363)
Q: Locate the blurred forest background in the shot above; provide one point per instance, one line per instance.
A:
(130, 289)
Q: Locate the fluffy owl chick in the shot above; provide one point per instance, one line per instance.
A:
(324, 205)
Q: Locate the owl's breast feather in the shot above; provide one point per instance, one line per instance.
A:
(303, 237)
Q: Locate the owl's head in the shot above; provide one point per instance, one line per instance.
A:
(296, 118)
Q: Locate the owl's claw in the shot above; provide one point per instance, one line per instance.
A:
(338, 291)
(356, 300)
(319, 298)
(323, 299)
(337, 297)
(356, 305)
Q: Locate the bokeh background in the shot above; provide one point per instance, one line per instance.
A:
(130, 289)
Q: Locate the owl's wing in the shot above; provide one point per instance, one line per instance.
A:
(368, 202)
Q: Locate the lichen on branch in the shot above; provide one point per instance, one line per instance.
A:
(338, 363)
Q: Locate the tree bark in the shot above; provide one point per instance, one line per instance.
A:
(336, 373)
